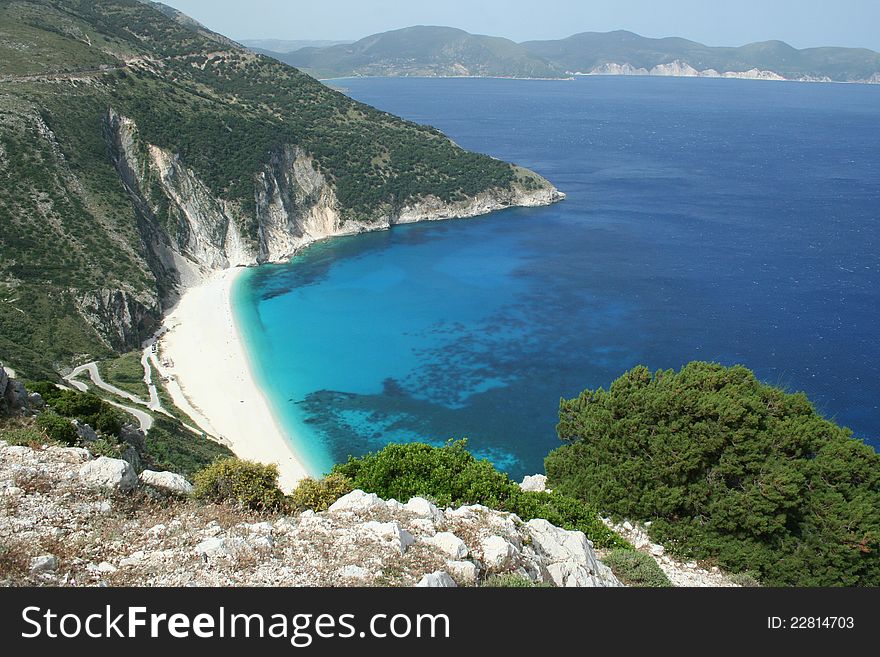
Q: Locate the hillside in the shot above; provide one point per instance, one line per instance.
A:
(594, 51)
(423, 51)
(442, 51)
(140, 151)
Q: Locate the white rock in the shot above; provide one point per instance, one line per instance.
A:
(449, 544)
(109, 473)
(497, 552)
(356, 500)
(70, 454)
(106, 567)
(18, 452)
(263, 542)
(170, 481)
(218, 547)
(390, 532)
(133, 559)
(13, 491)
(424, 526)
(627, 525)
(422, 508)
(353, 572)
(657, 550)
(393, 505)
(463, 571)
(260, 528)
(466, 512)
(438, 579)
(156, 530)
(44, 563)
(535, 483)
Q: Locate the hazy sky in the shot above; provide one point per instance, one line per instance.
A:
(803, 23)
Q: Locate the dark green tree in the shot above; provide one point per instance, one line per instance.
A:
(728, 468)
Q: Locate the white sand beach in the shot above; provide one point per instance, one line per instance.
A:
(210, 377)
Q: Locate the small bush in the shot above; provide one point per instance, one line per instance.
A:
(57, 428)
(103, 447)
(77, 404)
(636, 568)
(26, 437)
(448, 475)
(318, 495)
(108, 421)
(747, 579)
(248, 484)
(513, 581)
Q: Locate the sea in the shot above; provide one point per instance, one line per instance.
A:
(733, 221)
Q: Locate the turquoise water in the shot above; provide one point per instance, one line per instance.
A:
(723, 220)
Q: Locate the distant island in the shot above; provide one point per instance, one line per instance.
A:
(449, 52)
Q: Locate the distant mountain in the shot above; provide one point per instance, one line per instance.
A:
(423, 50)
(284, 46)
(621, 51)
(445, 51)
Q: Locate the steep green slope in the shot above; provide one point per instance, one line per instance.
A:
(423, 50)
(135, 144)
(589, 50)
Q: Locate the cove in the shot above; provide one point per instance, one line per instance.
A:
(724, 220)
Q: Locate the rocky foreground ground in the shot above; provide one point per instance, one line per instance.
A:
(68, 519)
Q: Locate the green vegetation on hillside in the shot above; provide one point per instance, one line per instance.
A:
(169, 445)
(71, 226)
(126, 373)
(728, 469)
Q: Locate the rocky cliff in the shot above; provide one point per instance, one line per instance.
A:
(69, 519)
(295, 205)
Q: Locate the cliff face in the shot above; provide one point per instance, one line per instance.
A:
(679, 68)
(189, 232)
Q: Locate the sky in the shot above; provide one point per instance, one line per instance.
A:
(802, 23)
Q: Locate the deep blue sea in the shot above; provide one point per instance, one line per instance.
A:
(723, 220)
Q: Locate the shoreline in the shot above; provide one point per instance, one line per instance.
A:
(202, 353)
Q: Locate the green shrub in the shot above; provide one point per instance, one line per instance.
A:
(248, 484)
(747, 579)
(108, 421)
(318, 495)
(513, 581)
(171, 446)
(448, 475)
(88, 408)
(58, 428)
(727, 468)
(26, 437)
(451, 476)
(635, 568)
(103, 447)
(71, 403)
(47, 390)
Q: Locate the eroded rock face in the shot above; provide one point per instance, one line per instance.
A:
(61, 494)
